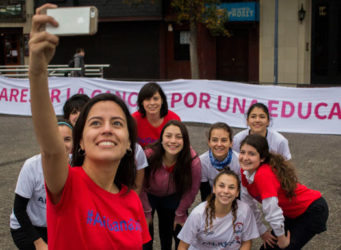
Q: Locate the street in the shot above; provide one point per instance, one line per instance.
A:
(317, 159)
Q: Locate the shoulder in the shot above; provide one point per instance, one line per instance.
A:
(264, 174)
(138, 149)
(243, 207)
(276, 136)
(239, 137)
(242, 134)
(196, 163)
(149, 152)
(199, 210)
(33, 163)
(136, 115)
(172, 116)
(204, 157)
(193, 153)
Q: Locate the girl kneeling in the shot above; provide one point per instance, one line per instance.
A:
(288, 205)
(221, 222)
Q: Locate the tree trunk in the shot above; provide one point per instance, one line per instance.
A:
(193, 51)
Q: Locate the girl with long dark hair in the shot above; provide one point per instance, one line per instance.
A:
(171, 181)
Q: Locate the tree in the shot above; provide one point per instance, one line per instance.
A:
(195, 12)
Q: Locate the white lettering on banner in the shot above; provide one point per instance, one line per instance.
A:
(301, 110)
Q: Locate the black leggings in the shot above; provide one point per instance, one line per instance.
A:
(303, 228)
(23, 242)
(165, 208)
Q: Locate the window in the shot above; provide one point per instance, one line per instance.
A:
(181, 45)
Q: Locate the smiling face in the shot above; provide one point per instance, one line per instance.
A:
(249, 158)
(226, 190)
(258, 121)
(172, 140)
(153, 105)
(66, 134)
(105, 136)
(219, 143)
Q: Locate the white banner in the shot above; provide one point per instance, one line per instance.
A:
(301, 110)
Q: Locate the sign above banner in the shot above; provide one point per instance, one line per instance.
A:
(241, 11)
(298, 110)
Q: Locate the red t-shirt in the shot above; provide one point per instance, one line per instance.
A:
(146, 133)
(89, 217)
(266, 185)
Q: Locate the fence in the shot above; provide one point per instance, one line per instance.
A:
(21, 71)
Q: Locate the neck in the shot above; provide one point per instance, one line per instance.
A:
(103, 174)
(222, 210)
(262, 133)
(154, 119)
(169, 160)
(220, 158)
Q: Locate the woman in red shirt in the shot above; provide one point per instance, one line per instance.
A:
(152, 113)
(294, 212)
(90, 206)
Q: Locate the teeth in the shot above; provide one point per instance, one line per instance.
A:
(106, 143)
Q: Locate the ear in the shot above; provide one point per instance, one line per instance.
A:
(262, 160)
(213, 190)
(81, 144)
(237, 194)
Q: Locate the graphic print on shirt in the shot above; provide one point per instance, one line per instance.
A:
(95, 219)
(236, 240)
(147, 140)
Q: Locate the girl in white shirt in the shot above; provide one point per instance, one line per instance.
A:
(219, 156)
(221, 222)
(258, 120)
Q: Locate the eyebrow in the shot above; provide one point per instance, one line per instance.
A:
(101, 118)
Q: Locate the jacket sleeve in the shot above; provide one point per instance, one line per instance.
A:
(19, 209)
(188, 198)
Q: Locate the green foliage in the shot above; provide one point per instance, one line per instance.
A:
(206, 12)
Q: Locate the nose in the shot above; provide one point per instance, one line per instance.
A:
(173, 139)
(107, 128)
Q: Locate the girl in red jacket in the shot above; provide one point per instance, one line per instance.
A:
(294, 212)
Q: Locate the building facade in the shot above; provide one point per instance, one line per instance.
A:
(287, 42)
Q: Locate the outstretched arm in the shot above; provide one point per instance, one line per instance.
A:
(42, 48)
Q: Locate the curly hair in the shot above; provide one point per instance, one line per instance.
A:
(210, 206)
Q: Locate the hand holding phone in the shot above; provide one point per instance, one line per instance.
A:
(73, 21)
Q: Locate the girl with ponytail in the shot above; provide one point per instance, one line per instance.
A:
(221, 222)
(219, 157)
(294, 212)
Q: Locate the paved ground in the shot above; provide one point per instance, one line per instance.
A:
(317, 158)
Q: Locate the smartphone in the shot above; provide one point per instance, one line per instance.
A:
(73, 21)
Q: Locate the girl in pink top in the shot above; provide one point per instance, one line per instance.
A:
(171, 183)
